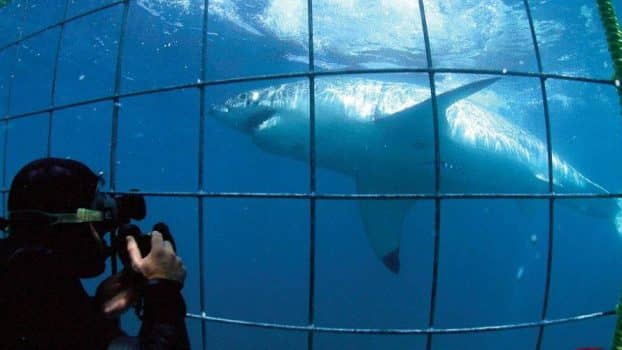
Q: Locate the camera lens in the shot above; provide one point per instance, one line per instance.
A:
(131, 206)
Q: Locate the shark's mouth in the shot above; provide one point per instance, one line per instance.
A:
(254, 121)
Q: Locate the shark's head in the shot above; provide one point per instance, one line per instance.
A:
(274, 117)
(245, 111)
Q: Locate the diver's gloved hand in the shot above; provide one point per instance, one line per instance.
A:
(161, 262)
(166, 233)
(119, 292)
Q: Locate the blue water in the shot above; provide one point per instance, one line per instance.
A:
(256, 252)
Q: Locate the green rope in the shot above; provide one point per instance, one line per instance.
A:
(617, 335)
(614, 40)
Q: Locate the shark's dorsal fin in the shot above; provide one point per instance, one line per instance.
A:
(402, 119)
(383, 223)
(450, 97)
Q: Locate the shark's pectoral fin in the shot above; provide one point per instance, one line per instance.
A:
(383, 221)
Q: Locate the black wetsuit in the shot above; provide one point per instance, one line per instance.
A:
(42, 308)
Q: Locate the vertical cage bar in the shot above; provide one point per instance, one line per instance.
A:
(8, 107)
(312, 179)
(5, 131)
(202, 171)
(547, 123)
(54, 77)
(437, 173)
(115, 115)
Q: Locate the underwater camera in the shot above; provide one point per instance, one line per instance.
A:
(143, 241)
(115, 214)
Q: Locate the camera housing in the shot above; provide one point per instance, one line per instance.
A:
(142, 240)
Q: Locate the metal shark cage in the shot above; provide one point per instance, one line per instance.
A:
(312, 195)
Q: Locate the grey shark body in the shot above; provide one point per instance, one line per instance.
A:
(381, 134)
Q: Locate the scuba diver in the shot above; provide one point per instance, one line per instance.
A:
(57, 219)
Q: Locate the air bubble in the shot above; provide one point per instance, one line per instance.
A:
(534, 238)
(520, 272)
(504, 71)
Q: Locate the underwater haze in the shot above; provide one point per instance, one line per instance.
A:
(378, 218)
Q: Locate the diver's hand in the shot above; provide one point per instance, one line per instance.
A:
(161, 262)
(116, 294)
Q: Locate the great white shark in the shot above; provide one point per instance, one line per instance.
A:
(381, 134)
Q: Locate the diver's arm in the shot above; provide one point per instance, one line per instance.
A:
(164, 316)
(164, 309)
(163, 325)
